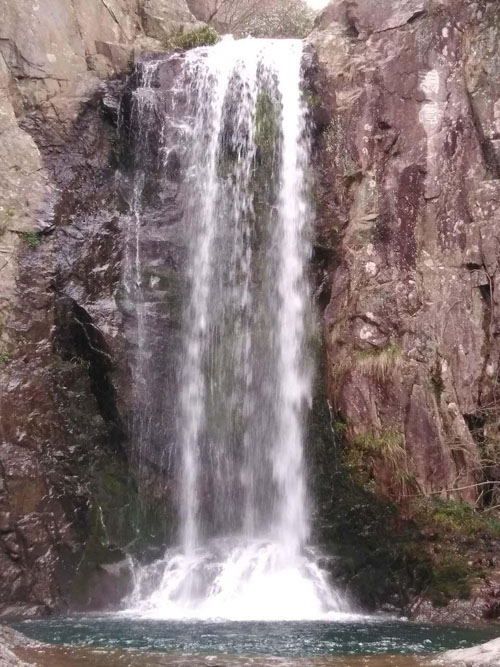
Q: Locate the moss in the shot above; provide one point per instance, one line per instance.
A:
(4, 358)
(118, 525)
(32, 239)
(378, 558)
(266, 126)
(265, 174)
(451, 518)
(204, 36)
(312, 100)
(450, 581)
(386, 554)
(361, 453)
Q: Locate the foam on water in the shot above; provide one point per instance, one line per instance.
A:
(234, 580)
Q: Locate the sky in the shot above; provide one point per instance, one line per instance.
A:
(317, 4)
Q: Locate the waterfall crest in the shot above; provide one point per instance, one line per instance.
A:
(244, 375)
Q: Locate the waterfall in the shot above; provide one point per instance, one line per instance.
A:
(233, 120)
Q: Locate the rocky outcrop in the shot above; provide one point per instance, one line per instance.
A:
(485, 655)
(66, 495)
(409, 197)
(404, 98)
(9, 641)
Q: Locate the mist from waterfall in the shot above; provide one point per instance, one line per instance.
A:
(237, 119)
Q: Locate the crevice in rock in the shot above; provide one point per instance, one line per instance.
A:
(418, 15)
(472, 266)
(79, 341)
(485, 291)
(490, 158)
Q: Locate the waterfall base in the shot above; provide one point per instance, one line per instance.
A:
(236, 580)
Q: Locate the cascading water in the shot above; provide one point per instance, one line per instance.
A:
(235, 119)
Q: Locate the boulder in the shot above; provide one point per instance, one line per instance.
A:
(484, 655)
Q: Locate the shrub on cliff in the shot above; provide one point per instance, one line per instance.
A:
(204, 36)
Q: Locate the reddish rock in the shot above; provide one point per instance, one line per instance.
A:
(407, 179)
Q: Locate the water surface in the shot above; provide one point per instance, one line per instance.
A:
(249, 643)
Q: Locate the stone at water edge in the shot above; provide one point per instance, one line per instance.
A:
(484, 655)
(10, 639)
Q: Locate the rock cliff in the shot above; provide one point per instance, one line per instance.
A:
(406, 101)
(408, 168)
(63, 397)
(405, 96)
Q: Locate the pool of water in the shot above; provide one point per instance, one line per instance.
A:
(252, 641)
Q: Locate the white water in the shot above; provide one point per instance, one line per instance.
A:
(245, 376)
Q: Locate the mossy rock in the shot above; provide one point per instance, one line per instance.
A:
(119, 525)
(378, 559)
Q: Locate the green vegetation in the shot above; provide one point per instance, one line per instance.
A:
(451, 580)
(264, 176)
(386, 554)
(266, 126)
(118, 524)
(452, 518)
(311, 100)
(32, 239)
(204, 36)
(459, 537)
(379, 559)
(378, 363)
(4, 358)
(381, 447)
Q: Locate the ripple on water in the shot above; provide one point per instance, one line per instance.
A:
(294, 643)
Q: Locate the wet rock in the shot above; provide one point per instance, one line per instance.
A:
(63, 397)
(9, 641)
(110, 584)
(485, 655)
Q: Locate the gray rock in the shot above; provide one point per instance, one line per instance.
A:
(9, 641)
(161, 18)
(485, 655)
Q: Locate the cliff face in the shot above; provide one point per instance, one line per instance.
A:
(408, 169)
(406, 95)
(63, 395)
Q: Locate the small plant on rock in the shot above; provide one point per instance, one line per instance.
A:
(204, 36)
(32, 239)
(378, 363)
